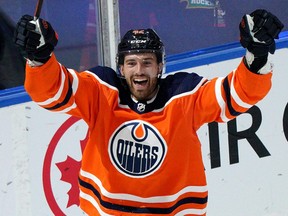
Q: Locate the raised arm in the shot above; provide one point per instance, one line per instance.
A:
(50, 84)
(251, 81)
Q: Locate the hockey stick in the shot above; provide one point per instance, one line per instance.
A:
(38, 9)
(36, 17)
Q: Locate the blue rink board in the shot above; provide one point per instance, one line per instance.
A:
(17, 95)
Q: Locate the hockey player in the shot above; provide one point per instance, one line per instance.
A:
(143, 156)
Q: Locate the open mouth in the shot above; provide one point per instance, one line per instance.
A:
(141, 82)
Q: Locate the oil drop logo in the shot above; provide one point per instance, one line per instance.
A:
(137, 149)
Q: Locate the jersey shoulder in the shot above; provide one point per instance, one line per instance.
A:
(106, 74)
(181, 82)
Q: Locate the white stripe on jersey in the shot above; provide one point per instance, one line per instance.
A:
(235, 96)
(75, 81)
(59, 92)
(220, 100)
(191, 211)
(181, 213)
(67, 109)
(154, 199)
(93, 202)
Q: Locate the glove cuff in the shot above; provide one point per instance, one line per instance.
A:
(37, 62)
(258, 65)
(33, 63)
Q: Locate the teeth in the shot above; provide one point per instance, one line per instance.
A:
(140, 80)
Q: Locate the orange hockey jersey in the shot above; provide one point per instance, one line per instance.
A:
(143, 158)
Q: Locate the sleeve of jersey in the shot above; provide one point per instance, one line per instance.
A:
(224, 98)
(58, 89)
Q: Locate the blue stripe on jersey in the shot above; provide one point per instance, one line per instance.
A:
(142, 210)
(66, 99)
(226, 87)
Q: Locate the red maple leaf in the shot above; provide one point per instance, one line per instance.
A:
(69, 170)
(69, 173)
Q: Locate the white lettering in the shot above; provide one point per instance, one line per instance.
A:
(138, 41)
(201, 2)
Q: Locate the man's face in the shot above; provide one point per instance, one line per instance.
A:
(141, 72)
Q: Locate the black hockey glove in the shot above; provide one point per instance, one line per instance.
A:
(36, 39)
(257, 33)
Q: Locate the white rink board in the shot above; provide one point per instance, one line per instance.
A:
(254, 186)
(34, 141)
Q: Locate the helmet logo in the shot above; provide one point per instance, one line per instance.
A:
(137, 41)
(136, 32)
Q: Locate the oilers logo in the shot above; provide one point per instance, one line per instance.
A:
(137, 149)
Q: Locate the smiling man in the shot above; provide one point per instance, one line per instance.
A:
(141, 72)
(140, 60)
(143, 156)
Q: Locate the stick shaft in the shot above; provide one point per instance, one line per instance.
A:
(38, 9)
